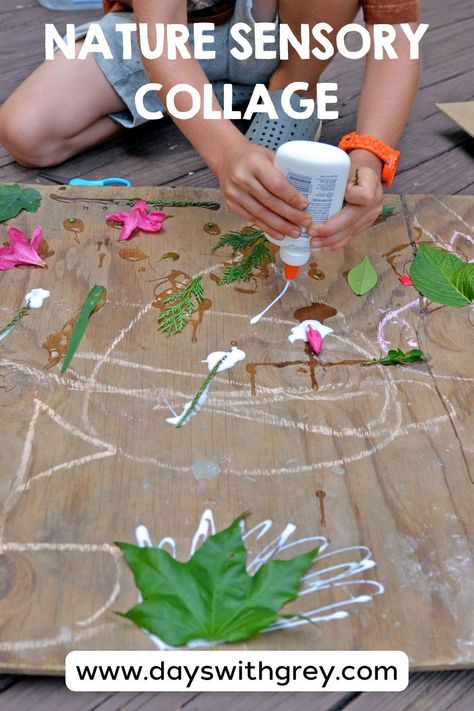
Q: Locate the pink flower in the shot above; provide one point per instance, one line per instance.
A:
(21, 250)
(405, 280)
(315, 339)
(138, 219)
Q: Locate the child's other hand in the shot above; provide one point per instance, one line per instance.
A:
(255, 190)
(364, 203)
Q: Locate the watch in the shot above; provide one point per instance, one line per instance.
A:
(388, 155)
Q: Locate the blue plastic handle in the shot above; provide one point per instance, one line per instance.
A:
(101, 183)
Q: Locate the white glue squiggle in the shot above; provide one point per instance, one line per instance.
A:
(298, 333)
(257, 318)
(338, 570)
(34, 299)
(229, 360)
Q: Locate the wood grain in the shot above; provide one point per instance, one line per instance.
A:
(88, 456)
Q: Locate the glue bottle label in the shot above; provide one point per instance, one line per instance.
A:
(319, 191)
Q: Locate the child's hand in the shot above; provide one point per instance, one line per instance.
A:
(364, 203)
(255, 190)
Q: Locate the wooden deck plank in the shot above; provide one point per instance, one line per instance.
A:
(46, 694)
(426, 692)
(394, 475)
(267, 702)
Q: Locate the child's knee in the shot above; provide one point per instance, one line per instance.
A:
(25, 139)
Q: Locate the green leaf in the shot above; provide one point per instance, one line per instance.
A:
(442, 277)
(362, 278)
(211, 596)
(398, 356)
(14, 199)
(387, 211)
(90, 305)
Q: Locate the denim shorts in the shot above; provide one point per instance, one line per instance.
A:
(127, 76)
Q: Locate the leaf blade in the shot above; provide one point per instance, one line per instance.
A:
(363, 277)
(442, 277)
(89, 306)
(211, 596)
(14, 199)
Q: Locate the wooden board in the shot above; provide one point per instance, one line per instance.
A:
(87, 457)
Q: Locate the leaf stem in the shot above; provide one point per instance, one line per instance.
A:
(205, 384)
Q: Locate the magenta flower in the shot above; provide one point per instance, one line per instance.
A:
(21, 250)
(315, 339)
(139, 218)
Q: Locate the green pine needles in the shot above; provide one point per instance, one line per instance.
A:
(253, 245)
(182, 305)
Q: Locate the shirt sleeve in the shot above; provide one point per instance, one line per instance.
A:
(392, 12)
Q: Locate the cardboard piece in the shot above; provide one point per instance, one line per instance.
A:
(462, 112)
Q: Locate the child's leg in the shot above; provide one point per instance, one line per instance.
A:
(60, 110)
(337, 13)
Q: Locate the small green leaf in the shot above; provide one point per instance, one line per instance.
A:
(442, 277)
(211, 596)
(398, 356)
(362, 278)
(14, 199)
(88, 308)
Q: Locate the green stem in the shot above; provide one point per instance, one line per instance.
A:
(212, 374)
(17, 317)
(209, 204)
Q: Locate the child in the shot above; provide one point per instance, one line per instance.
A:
(67, 106)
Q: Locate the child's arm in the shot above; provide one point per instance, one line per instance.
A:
(388, 93)
(251, 185)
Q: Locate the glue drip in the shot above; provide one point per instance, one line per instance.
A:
(229, 359)
(257, 318)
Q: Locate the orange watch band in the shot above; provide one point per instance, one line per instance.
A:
(388, 155)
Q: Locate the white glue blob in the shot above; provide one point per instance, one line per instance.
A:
(35, 298)
(231, 358)
(298, 333)
(257, 318)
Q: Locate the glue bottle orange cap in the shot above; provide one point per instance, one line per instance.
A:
(291, 272)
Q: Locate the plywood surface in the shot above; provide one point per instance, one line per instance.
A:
(88, 456)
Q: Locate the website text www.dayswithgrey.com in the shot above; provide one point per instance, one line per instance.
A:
(237, 671)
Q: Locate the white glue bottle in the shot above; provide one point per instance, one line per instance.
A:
(320, 172)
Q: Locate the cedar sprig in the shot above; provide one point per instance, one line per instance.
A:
(14, 320)
(182, 304)
(252, 242)
(204, 386)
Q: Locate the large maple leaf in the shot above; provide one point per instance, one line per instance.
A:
(211, 596)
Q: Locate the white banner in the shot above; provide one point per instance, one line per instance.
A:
(221, 670)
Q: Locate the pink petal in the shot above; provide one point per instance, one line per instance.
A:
(129, 226)
(405, 280)
(149, 224)
(315, 339)
(36, 238)
(141, 206)
(117, 217)
(21, 250)
(137, 219)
